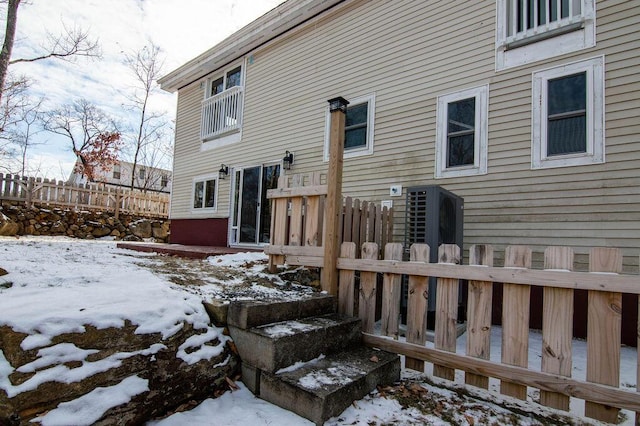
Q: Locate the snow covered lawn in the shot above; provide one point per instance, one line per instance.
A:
(59, 285)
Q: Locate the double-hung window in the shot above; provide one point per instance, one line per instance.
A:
(461, 133)
(359, 128)
(568, 115)
(205, 193)
(533, 30)
(222, 105)
(116, 171)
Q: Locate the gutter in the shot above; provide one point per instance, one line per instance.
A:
(269, 26)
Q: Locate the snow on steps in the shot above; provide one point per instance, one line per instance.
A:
(302, 356)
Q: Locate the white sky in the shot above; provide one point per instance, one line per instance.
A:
(183, 30)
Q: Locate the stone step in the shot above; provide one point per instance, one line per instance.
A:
(325, 387)
(274, 346)
(248, 314)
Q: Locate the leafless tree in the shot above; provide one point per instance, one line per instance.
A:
(73, 42)
(94, 136)
(150, 128)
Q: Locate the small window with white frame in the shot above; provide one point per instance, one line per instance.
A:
(534, 30)
(359, 128)
(461, 133)
(205, 190)
(568, 115)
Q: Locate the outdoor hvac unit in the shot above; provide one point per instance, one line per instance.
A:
(434, 216)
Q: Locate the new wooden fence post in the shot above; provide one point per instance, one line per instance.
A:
(295, 225)
(515, 320)
(312, 212)
(417, 305)
(391, 293)
(117, 206)
(446, 310)
(279, 214)
(346, 291)
(368, 290)
(479, 314)
(333, 207)
(604, 322)
(557, 326)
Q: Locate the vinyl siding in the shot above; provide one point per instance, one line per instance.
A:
(408, 53)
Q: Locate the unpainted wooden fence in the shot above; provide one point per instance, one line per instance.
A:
(47, 192)
(600, 390)
(297, 218)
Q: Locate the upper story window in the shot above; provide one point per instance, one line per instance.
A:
(164, 180)
(359, 126)
(461, 133)
(116, 171)
(533, 30)
(222, 105)
(568, 115)
(141, 173)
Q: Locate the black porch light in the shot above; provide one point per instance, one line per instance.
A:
(287, 161)
(223, 172)
(338, 104)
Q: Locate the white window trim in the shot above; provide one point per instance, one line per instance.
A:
(360, 151)
(580, 39)
(595, 153)
(204, 178)
(223, 74)
(479, 166)
(210, 144)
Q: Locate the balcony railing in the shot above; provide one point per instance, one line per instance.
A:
(222, 113)
(527, 19)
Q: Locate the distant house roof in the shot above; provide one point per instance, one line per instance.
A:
(272, 24)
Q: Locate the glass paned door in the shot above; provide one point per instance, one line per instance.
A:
(252, 210)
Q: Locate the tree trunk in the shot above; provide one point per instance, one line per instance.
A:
(7, 47)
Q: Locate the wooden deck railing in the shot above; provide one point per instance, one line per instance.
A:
(297, 218)
(47, 192)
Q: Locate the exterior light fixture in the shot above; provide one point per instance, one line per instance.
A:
(338, 104)
(223, 172)
(287, 161)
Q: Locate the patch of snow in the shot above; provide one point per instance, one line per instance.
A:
(202, 351)
(288, 328)
(338, 374)
(89, 408)
(62, 374)
(238, 408)
(238, 259)
(58, 354)
(298, 365)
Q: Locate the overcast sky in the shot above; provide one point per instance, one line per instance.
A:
(182, 28)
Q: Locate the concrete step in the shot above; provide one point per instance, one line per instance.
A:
(248, 314)
(324, 388)
(277, 345)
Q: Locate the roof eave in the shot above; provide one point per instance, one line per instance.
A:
(274, 23)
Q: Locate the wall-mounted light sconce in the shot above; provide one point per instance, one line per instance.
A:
(223, 172)
(287, 161)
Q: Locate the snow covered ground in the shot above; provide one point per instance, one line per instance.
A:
(59, 285)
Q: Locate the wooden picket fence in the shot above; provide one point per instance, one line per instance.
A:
(297, 218)
(50, 193)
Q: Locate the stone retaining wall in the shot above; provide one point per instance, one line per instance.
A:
(17, 219)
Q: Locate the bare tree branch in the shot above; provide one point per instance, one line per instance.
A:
(73, 42)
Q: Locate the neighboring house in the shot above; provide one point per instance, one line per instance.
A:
(528, 109)
(119, 175)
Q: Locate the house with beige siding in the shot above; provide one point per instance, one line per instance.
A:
(529, 110)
